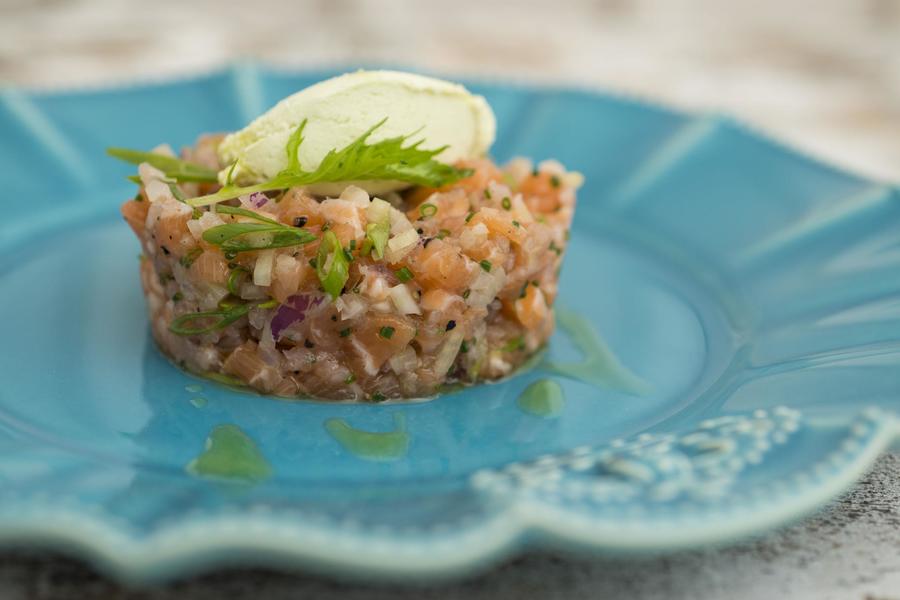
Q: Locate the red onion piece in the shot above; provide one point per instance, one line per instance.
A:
(293, 310)
(258, 199)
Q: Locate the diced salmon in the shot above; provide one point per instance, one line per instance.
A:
(172, 233)
(531, 311)
(296, 203)
(541, 192)
(500, 222)
(210, 267)
(135, 213)
(440, 265)
(382, 336)
(286, 277)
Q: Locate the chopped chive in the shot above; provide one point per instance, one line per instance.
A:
(524, 290)
(196, 213)
(470, 215)
(404, 274)
(506, 203)
(516, 223)
(350, 379)
(486, 265)
(555, 248)
(517, 343)
(387, 332)
(464, 347)
(188, 259)
(352, 245)
(345, 332)
(312, 262)
(554, 181)
(466, 294)
(334, 279)
(442, 233)
(487, 193)
(378, 397)
(177, 192)
(138, 197)
(326, 226)
(427, 210)
(177, 297)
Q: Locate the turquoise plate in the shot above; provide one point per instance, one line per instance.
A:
(753, 291)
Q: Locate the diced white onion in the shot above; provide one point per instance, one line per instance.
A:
(399, 222)
(520, 211)
(404, 301)
(350, 306)
(447, 353)
(404, 361)
(551, 167)
(400, 245)
(473, 236)
(262, 272)
(378, 211)
(356, 195)
(485, 287)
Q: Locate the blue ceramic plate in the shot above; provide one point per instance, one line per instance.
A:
(754, 290)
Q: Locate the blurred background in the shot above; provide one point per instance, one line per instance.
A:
(823, 75)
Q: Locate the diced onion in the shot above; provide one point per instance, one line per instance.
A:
(400, 245)
(378, 211)
(350, 306)
(356, 195)
(262, 272)
(404, 361)
(403, 300)
(447, 353)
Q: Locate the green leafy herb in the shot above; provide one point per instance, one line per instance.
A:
(387, 159)
(470, 215)
(176, 191)
(172, 168)
(266, 233)
(506, 203)
(386, 332)
(404, 274)
(345, 332)
(517, 224)
(350, 379)
(188, 259)
(332, 266)
(486, 265)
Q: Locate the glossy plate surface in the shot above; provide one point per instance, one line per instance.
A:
(752, 289)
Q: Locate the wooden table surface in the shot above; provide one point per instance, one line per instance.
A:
(824, 75)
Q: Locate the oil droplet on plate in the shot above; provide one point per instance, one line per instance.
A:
(194, 388)
(230, 455)
(198, 402)
(371, 445)
(543, 398)
(599, 366)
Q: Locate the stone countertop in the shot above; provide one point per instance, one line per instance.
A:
(824, 75)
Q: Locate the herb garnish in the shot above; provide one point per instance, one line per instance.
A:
(387, 159)
(404, 274)
(243, 237)
(387, 332)
(224, 316)
(486, 265)
(332, 265)
(172, 168)
(188, 259)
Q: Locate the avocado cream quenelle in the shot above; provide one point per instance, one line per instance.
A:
(341, 109)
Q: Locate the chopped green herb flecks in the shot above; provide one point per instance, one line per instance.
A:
(486, 265)
(345, 332)
(404, 274)
(427, 210)
(554, 181)
(506, 203)
(442, 233)
(387, 159)
(188, 259)
(487, 193)
(332, 265)
(386, 332)
(234, 280)
(514, 345)
(555, 248)
(377, 238)
(218, 319)
(470, 215)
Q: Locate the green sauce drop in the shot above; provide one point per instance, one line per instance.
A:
(198, 402)
(371, 445)
(232, 456)
(543, 398)
(194, 388)
(599, 366)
